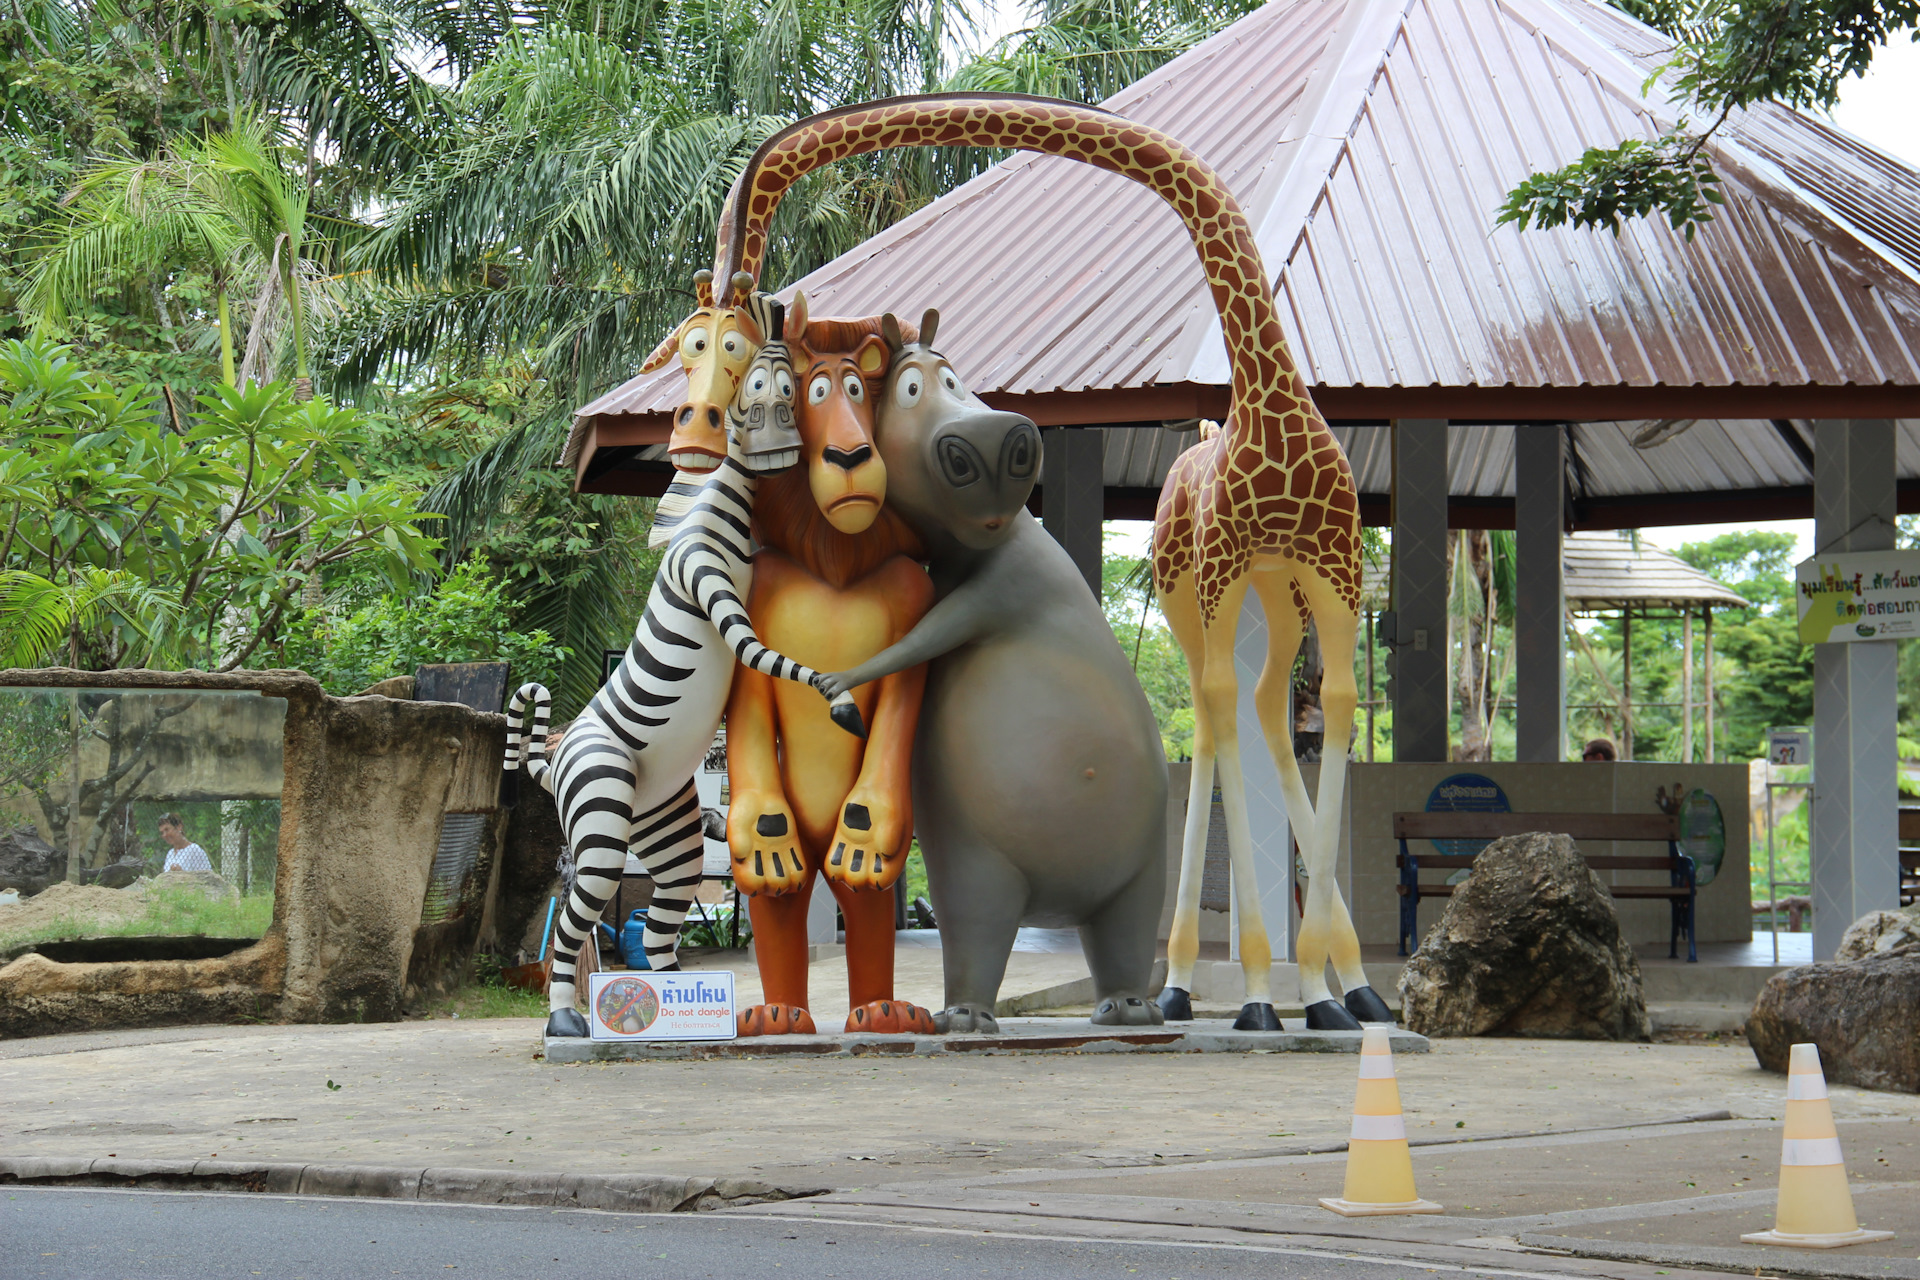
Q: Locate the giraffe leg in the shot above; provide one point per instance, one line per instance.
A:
(1339, 696)
(1181, 608)
(1220, 693)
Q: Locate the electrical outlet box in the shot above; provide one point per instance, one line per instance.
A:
(1419, 639)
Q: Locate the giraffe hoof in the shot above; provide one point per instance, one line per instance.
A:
(1256, 1015)
(1329, 1015)
(1365, 1004)
(567, 1023)
(1176, 1005)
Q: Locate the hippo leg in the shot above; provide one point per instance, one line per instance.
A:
(1119, 944)
(978, 900)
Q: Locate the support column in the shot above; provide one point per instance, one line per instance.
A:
(1073, 495)
(1856, 797)
(1266, 809)
(1418, 665)
(1540, 604)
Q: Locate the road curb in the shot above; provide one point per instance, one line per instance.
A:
(618, 1192)
(1814, 1264)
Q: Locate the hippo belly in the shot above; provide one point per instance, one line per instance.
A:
(1043, 748)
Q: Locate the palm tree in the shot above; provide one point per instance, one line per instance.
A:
(227, 204)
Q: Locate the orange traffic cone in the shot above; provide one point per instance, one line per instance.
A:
(1815, 1209)
(1379, 1167)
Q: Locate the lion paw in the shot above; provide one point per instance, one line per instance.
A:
(862, 853)
(776, 1020)
(891, 1017)
(766, 856)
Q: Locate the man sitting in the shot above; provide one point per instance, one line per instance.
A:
(184, 854)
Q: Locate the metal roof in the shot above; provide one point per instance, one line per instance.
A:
(1604, 573)
(1371, 142)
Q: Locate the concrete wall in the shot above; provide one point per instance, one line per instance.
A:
(366, 783)
(1376, 792)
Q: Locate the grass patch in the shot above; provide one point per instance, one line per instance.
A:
(487, 1000)
(160, 912)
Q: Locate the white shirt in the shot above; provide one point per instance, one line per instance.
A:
(188, 857)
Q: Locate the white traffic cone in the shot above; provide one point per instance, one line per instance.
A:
(1379, 1166)
(1815, 1209)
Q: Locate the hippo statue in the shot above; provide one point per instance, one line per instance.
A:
(1039, 782)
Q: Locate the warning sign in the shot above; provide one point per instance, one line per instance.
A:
(661, 1006)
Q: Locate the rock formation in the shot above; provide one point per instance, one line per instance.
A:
(28, 863)
(1862, 1008)
(1528, 946)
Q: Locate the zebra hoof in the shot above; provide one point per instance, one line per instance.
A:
(1365, 1004)
(1176, 1005)
(1257, 1015)
(1329, 1015)
(847, 716)
(567, 1023)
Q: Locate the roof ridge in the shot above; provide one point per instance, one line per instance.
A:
(1310, 148)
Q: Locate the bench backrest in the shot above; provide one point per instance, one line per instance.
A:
(1581, 826)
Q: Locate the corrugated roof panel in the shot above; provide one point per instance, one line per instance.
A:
(1053, 276)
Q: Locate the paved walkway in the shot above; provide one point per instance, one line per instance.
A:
(1241, 1139)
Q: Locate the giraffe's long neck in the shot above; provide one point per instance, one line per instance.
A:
(1270, 398)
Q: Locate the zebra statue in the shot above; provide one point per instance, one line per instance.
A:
(623, 774)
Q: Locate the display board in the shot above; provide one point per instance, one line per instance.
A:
(1863, 595)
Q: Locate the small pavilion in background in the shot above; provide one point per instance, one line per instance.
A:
(1543, 381)
(1610, 575)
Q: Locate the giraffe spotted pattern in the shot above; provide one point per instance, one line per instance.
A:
(1275, 482)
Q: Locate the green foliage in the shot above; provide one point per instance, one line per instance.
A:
(1728, 54)
(225, 515)
(467, 618)
(1638, 178)
(1127, 596)
(1757, 563)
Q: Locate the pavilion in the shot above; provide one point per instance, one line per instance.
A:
(1541, 381)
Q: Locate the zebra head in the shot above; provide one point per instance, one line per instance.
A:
(760, 420)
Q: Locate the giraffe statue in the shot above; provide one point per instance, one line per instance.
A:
(1268, 503)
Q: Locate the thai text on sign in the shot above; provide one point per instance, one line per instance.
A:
(661, 1006)
(1864, 595)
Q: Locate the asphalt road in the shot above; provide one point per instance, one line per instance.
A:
(61, 1234)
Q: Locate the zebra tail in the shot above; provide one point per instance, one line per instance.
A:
(524, 743)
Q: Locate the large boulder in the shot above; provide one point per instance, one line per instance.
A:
(1881, 933)
(28, 863)
(1864, 1014)
(1528, 946)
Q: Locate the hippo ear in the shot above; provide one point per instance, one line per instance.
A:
(890, 330)
(742, 287)
(928, 323)
(703, 287)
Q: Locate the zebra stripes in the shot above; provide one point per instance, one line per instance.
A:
(623, 775)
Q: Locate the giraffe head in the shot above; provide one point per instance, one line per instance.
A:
(715, 345)
(958, 467)
(840, 365)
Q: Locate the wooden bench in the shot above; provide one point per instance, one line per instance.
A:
(1681, 891)
(1909, 856)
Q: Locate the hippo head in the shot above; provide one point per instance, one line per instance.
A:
(954, 464)
(760, 419)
